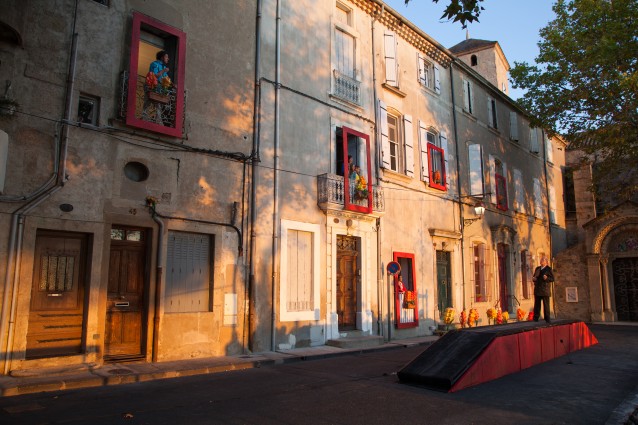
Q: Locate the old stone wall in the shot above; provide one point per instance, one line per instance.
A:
(570, 272)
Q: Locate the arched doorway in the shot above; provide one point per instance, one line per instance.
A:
(625, 278)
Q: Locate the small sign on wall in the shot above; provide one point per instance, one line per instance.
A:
(571, 294)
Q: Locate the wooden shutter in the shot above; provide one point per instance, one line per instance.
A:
(420, 63)
(492, 165)
(552, 204)
(409, 145)
(466, 96)
(490, 112)
(549, 149)
(437, 80)
(390, 59)
(299, 283)
(443, 140)
(385, 142)
(489, 272)
(423, 141)
(505, 189)
(538, 199)
(533, 140)
(476, 169)
(514, 126)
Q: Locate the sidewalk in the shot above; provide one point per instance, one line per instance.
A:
(84, 376)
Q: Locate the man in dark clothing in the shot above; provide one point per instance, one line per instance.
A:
(543, 277)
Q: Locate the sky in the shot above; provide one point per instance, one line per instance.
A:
(515, 24)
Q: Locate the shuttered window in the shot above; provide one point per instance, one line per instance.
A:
(552, 204)
(538, 199)
(491, 113)
(391, 64)
(468, 96)
(533, 140)
(480, 290)
(514, 126)
(299, 276)
(476, 170)
(519, 192)
(189, 280)
(549, 150)
(344, 53)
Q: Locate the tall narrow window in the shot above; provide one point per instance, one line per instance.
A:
(480, 290)
(468, 96)
(473, 60)
(436, 160)
(155, 97)
(425, 71)
(533, 140)
(501, 185)
(346, 85)
(538, 199)
(391, 63)
(513, 126)
(491, 113)
(526, 274)
(476, 170)
(519, 191)
(395, 146)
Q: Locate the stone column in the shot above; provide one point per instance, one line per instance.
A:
(595, 288)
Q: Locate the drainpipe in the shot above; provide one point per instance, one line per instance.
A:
(458, 180)
(380, 272)
(158, 283)
(275, 211)
(549, 224)
(250, 293)
(17, 220)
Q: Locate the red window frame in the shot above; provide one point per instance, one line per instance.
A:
(442, 179)
(501, 192)
(139, 21)
(348, 205)
(397, 256)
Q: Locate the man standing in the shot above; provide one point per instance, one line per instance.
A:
(543, 277)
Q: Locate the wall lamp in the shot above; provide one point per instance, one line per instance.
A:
(479, 210)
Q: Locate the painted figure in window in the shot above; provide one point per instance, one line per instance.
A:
(350, 167)
(157, 78)
(157, 87)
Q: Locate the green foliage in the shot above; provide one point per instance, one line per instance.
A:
(584, 86)
(463, 11)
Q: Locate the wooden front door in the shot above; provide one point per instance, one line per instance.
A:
(125, 329)
(625, 272)
(56, 317)
(347, 278)
(443, 279)
(503, 295)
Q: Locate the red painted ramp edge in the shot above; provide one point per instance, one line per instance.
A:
(512, 353)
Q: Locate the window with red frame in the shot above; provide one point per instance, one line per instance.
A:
(436, 166)
(406, 305)
(153, 105)
(353, 163)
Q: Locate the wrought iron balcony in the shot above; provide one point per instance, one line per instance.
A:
(331, 195)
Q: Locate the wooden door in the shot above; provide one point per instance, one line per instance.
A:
(56, 317)
(125, 330)
(347, 273)
(502, 277)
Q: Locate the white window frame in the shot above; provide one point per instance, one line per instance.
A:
(425, 71)
(475, 168)
(284, 279)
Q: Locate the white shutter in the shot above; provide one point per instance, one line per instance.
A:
(514, 126)
(187, 272)
(390, 59)
(423, 141)
(409, 145)
(533, 140)
(538, 199)
(443, 139)
(476, 170)
(420, 64)
(549, 149)
(552, 204)
(437, 79)
(385, 142)
(492, 165)
(470, 89)
(519, 192)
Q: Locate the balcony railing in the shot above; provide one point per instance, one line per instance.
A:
(347, 88)
(331, 194)
(160, 111)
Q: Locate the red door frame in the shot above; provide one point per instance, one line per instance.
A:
(346, 131)
(397, 306)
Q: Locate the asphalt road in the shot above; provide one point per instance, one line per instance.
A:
(585, 387)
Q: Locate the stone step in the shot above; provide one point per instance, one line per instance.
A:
(356, 342)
